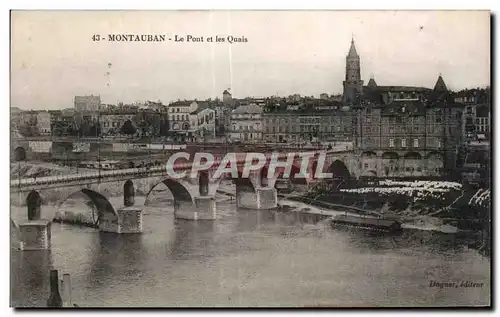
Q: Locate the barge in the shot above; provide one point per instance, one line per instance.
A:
(367, 223)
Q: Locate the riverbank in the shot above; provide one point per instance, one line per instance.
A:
(41, 169)
(292, 203)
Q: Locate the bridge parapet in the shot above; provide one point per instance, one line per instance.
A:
(112, 175)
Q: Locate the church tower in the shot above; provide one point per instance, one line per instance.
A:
(353, 85)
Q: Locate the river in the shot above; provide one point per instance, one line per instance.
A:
(248, 258)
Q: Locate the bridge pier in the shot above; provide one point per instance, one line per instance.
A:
(34, 235)
(260, 198)
(204, 208)
(129, 220)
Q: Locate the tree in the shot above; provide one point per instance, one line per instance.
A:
(59, 128)
(128, 128)
(164, 127)
(95, 130)
(85, 129)
(28, 130)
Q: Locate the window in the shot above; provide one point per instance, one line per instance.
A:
(391, 142)
(366, 165)
(438, 143)
(419, 169)
(438, 116)
(415, 142)
(403, 142)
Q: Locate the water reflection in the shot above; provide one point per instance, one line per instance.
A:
(30, 272)
(248, 257)
(252, 220)
(192, 239)
(117, 254)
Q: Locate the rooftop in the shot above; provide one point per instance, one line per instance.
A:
(201, 106)
(252, 108)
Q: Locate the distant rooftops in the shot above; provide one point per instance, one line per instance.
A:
(251, 108)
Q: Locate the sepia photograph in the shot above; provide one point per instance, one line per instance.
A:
(241, 159)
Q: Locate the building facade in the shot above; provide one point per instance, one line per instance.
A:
(408, 136)
(296, 126)
(34, 123)
(190, 120)
(111, 123)
(87, 103)
(477, 114)
(227, 98)
(222, 120)
(246, 123)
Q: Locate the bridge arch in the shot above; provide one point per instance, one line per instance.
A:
(412, 156)
(179, 191)
(390, 156)
(278, 174)
(103, 215)
(368, 154)
(434, 156)
(294, 176)
(34, 203)
(314, 167)
(203, 181)
(19, 154)
(128, 193)
(434, 163)
(339, 169)
(243, 184)
(391, 164)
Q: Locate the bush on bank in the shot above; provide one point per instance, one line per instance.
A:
(411, 198)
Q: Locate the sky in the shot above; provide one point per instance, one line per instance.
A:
(53, 56)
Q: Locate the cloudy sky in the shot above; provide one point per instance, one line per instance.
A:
(53, 56)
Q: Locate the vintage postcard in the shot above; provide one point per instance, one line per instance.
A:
(250, 159)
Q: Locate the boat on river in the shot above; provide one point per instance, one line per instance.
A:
(366, 223)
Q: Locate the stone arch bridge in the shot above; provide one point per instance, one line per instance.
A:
(193, 194)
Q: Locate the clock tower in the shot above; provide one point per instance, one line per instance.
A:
(353, 85)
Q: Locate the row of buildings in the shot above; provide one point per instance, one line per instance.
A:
(401, 131)
(396, 130)
(311, 121)
(187, 119)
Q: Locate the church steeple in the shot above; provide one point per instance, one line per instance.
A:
(353, 85)
(352, 50)
(440, 85)
(372, 83)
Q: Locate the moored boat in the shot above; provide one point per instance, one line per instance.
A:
(367, 223)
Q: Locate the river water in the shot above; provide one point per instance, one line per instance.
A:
(248, 258)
